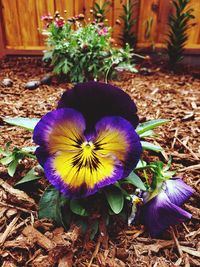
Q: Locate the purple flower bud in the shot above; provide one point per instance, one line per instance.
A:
(164, 209)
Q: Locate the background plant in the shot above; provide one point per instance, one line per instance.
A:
(128, 34)
(100, 10)
(179, 23)
(83, 51)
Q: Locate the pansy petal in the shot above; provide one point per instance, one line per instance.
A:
(117, 137)
(81, 181)
(178, 191)
(42, 155)
(159, 213)
(96, 100)
(59, 130)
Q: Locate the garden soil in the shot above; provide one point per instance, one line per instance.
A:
(27, 241)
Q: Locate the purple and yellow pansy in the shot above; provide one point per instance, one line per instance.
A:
(89, 141)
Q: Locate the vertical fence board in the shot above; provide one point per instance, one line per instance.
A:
(63, 5)
(43, 8)
(148, 11)
(10, 17)
(162, 20)
(87, 5)
(28, 23)
(194, 31)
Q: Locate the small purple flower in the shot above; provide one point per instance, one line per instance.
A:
(89, 141)
(164, 209)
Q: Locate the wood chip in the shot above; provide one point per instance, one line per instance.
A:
(37, 237)
(17, 197)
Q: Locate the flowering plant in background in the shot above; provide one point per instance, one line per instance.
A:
(83, 50)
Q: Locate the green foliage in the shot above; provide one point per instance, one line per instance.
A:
(135, 180)
(27, 123)
(81, 52)
(12, 157)
(115, 199)
(50, 205)
(148, 126)
(31, 176)
(100, 10)
(128, 35)
(179, 23)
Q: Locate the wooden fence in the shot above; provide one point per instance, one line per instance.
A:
(20, 22)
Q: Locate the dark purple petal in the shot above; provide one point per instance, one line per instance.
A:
(96, 100)
(42, 155)
(159, 213)
(178, 191)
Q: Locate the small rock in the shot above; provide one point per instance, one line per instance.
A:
(32, 85)
(7, 82)
(145, 71)
(46, 79)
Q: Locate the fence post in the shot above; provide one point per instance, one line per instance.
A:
(2, 35)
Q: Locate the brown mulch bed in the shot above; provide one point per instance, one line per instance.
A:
(27, 241)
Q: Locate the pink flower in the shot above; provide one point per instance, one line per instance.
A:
(103, 31)
(59, 22)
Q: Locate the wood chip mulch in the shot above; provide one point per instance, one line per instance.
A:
(27, 241)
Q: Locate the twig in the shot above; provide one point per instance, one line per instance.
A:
(175, 136)
(16, 207)
(193, 167)
(189, 149)
(8, 229)
(177, 243)
(95, 253)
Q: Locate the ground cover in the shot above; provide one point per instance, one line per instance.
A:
(26, 241)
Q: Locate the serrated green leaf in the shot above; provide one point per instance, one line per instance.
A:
(32, 175)
(77, 208)
(115, 199)
(50, 205)
(27, 123)
(150, 125)
(135, 180)
(150, 146)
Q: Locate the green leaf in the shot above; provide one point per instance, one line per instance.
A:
(150, 146)
(77, 208)
(141, 164)
(12, 167)
(29, 149)
(149, 133)
(135, 180)
(32, 175)
(150, 125)
(50, 205)
(27, 123)
(115, 199)
(7, 160)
